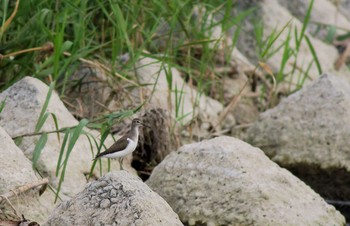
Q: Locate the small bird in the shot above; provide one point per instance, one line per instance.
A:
(125, 145)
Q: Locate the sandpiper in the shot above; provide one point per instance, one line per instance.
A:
(125, 145)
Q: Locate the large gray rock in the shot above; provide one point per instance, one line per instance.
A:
(311, 126)
(117, 198)
(308, 133)
(24, 101)
(16, 170)
(225, 181)
(89, 93)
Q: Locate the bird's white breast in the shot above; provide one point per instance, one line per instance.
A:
(129, 149)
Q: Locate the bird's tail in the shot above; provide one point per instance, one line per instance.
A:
(96, 157)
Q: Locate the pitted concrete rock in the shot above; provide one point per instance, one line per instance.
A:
(225, 181)
(115, 199)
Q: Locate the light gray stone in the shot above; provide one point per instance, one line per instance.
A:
(137, 205)
(225, 181)
(16, 170)
(309, 127)
(105, 203)
(89, 91)
(24, 101)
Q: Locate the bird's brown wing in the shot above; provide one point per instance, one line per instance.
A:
(118, 145)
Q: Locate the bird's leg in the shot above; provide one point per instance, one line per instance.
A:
(121, 163)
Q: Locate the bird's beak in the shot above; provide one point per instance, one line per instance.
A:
(145, 125)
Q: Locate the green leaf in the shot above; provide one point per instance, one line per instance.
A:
(2, 105)
(305, 23)
(314, 55)
(56, 126)
(43, 114)
(78, 130)
(331, 34)
(67, 45)
(66, 136)
(105, 130)
(41, 121)
(38, 148)
(272, 39)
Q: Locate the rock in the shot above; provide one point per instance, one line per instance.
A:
(24, 101)
(88, 92)
(225, 181)
(313, 120)
(245, 112)
(16, 170)
(134, 204)
(23, 105)
(187, 101)
(308, 133)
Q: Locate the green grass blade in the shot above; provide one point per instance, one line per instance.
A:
(43, 115)
(314, 55)
(305, 23)
(273, 39)
(306, 73)
(58, 43)
(38, 148)
(76, 133)
(331, 34)
(198, 42)
(105, 130)
(73, 139)
(56, 126)
(94, 162)
(41, 121)
(122, 26)
(90, 143)
(285, 57)
(60, 157)
(2, 105)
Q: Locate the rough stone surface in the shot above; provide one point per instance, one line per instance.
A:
(152, 71)
(225, 181)
(23, 105)
(16, 170)
(311, 126)
(88, 92)
(117, 198)
(24, 101)
(308, 133)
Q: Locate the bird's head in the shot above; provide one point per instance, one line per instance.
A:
(137, 123)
